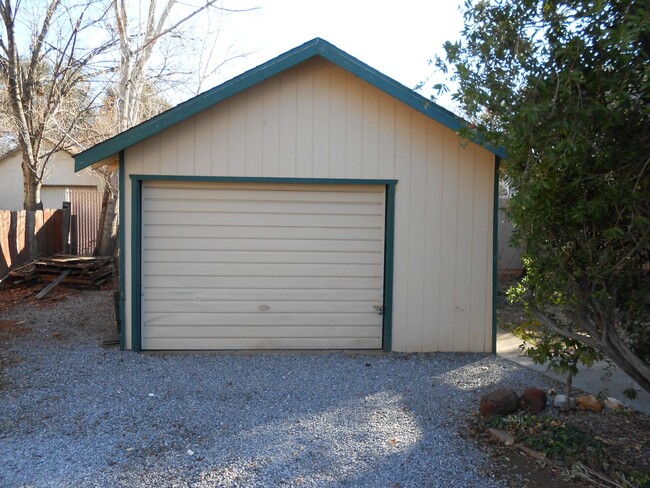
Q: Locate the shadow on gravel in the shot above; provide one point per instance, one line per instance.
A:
(76, 414)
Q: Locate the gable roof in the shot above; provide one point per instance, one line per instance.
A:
(315, 48)
(9, 146)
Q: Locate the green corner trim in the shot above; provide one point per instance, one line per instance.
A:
(136, 265)
(121, 242)
(315, 48)
(495, 253)
(389, 246)
(136, 240)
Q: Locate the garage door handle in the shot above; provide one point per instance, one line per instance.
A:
(379, 309)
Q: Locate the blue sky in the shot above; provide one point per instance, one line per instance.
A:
(397, 38)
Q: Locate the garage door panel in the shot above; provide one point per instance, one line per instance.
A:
(156, 191)
(195, 206)
(264, 257)
(271, 320)
(152, 231)
(291, 245)
(261, 295)
(182, 219)
(264, 332)
(255, 306)
(265, 266)
(268, 282)
(254, 269)
(205, 344)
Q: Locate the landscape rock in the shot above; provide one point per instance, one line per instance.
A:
(533, 400)
(560, 400)
(499, 402)
(589, 403)
(613, 404)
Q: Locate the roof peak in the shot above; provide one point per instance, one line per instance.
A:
(316, 47)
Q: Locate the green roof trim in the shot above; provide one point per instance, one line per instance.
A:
(315, 48)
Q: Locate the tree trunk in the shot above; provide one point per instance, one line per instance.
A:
(31, 186)
(108, 223)
(602, 335)
(616, 350)
(567, 391)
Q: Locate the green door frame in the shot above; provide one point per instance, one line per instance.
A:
(136, 240)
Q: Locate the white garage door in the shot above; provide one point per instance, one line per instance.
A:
(262, 266)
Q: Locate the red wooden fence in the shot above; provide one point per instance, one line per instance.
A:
(86, 205)
(49, 236)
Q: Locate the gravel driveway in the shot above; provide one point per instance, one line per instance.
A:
(75, 414)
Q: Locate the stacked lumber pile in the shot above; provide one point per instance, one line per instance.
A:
(81, 270)
(24, 272)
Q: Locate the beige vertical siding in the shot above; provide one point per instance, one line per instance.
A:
(319, 121)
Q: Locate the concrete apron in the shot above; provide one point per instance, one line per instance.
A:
(601, 377)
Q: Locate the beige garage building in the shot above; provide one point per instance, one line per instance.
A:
(310, 203)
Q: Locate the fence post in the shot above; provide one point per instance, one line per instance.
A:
(74, 248)
(65, 245)
(31, 246)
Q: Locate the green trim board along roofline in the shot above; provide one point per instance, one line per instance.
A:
(315, 47)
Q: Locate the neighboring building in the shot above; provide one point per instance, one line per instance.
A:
(61, 184)
(310, 203)
(60, 175)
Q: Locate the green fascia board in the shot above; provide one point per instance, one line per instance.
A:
(122, 245)
(315, 48)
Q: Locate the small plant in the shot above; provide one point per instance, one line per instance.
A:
(560, 353)
(552, 437)
(631, 393)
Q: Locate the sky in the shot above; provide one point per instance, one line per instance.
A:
(396, 38)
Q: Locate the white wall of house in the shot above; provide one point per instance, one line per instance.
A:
(320, 121)
(59, 172)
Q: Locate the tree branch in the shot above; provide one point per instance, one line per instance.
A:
(555, 327)
(160, 32)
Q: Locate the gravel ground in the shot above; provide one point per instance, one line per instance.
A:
(75, 414)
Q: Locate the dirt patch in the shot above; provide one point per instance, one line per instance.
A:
(12, 328)
(623, 440)
(626, 437)
(24, 294)
(623, 437)
(65, 315)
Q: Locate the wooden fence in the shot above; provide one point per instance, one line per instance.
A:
(49, 235)
(86, 209)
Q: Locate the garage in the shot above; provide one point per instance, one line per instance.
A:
(259, 266)
(309, 203)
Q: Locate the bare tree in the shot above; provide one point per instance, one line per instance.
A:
(43, 63)
(140, 35)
